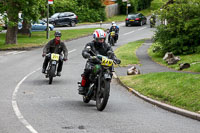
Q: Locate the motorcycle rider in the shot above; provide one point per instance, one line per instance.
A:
(153, 20)
(55, 46)
(114, 28)
(97, 46)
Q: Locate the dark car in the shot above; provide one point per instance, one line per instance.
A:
(135, 19)
(64, 19)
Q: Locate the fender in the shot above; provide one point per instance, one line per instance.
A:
(107, 76)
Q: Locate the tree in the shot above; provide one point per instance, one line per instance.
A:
(30, 10)
(181, 34)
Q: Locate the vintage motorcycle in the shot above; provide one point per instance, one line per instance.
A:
(112, 40)
(52, 66)
(99, 82)
(152, 23)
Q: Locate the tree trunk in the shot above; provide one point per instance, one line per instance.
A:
(25, 28)
(12, 28)
(11, 35)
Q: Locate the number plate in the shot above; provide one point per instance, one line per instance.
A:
(131, 20)
(106, 62)
(55, 57)
(112, 33)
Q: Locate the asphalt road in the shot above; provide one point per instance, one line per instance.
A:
(29, 104)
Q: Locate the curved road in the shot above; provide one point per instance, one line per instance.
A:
(29, 105)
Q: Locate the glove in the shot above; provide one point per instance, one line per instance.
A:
(118, 61)
(44, 54)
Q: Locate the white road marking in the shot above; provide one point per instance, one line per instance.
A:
(134, 31)
(142, 28)
(128, 33)
(15, 106)
(19, 52)
(72, 51)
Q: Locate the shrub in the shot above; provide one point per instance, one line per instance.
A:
(182, 33)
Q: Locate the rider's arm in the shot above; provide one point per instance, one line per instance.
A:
(65, 51)
(47, 47)
(85, 52)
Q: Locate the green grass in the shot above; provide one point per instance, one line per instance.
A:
(39, 38)
(178, 89)
(193, 59)
(126, 53)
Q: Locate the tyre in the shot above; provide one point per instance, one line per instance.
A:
(141, 23)
(112, 42)
(102, 95)
(73, 24)
(126, 24)
(52, 73)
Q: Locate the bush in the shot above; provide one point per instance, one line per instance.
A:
(182, 33)
(86, 10)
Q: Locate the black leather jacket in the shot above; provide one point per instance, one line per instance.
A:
(52, 47)
(103, 49)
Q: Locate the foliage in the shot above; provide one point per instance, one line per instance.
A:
(181, 34)
(86, 10)
(136, 5)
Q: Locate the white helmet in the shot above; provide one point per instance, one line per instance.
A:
(113, 22)
(99, 34)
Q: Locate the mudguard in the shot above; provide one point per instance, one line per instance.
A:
(107, 76)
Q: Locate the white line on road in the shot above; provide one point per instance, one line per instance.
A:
(134, 31)
(15, 106)
(142, 28)
(128, 33)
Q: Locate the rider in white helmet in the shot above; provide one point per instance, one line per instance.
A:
(115, 28)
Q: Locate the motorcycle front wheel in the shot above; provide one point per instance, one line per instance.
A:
(102, 95)
(52, 73)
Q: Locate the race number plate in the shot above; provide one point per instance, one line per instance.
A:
(55, 57)
(106, 62)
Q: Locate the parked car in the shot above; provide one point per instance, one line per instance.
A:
(38, 26)
(64, 19)
(135, 19)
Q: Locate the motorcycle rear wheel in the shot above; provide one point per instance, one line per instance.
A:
(102, 95)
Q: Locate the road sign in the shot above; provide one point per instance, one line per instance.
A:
(124, 0)
(128, 4)
(50, 1)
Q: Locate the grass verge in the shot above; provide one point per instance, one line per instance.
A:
(178, 89)
(127, 54)
(39, 38)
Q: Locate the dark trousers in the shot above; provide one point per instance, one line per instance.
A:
(46, 61)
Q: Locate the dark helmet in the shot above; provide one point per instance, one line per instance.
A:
(58, 33)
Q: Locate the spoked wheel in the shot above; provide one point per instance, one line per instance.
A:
(102, 95)
(52, 73)
(50, 79)
(112, 41)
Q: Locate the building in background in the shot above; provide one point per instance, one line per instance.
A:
(109, 2)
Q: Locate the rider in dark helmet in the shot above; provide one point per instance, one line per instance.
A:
(97, 46)
(55, 46)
